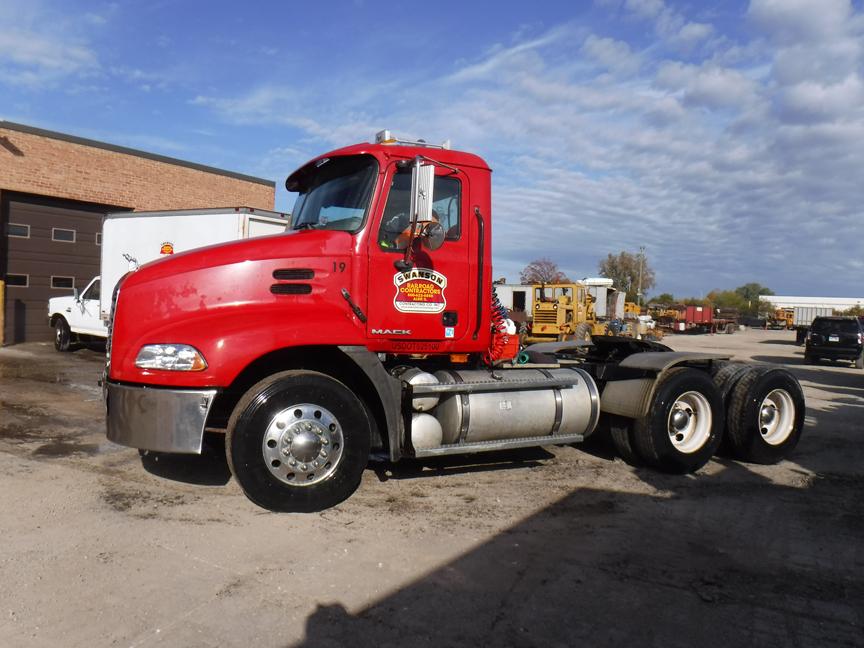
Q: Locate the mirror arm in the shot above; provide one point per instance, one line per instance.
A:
(405, 263)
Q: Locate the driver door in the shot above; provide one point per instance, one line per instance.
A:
(427, 306)
(85, 316)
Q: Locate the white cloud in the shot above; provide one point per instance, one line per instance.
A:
(501, 57)
(709, 85)
(612, 54)
(37, 48)
(793, 21)
(810, 101)
(693, 33)
(645, 8)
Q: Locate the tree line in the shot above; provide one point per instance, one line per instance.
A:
(631, 271)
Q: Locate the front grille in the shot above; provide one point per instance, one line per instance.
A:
(545, 317)
(115, 295)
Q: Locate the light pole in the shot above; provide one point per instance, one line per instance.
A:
(639, 288)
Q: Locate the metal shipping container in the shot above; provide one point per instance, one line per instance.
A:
(698, 314)
(804, 315)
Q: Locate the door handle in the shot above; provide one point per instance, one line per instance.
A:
(68, 310)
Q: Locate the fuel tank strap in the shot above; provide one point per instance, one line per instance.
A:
(559, 404)
(466, 408)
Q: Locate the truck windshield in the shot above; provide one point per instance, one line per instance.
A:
(335, 193)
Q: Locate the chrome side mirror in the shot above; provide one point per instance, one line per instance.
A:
(422, 187)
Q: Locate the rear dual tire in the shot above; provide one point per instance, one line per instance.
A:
(764, 415)
(684, 424)
(763, 418)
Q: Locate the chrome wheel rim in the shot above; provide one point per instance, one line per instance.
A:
(776, 417)
(303, 445)
(689, 422)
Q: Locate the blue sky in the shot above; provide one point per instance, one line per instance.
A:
(725, 137)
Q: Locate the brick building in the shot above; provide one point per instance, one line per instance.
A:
(54, 189)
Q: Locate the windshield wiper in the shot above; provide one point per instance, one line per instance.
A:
(310, 225)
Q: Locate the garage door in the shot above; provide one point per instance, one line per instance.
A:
(50, 247)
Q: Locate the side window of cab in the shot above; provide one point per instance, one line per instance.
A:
(92, 292)
(394, 232)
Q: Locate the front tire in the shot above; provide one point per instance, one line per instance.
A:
(62, 335)
(298, 441)
(765, 415)
(583, 332)
(684, 424)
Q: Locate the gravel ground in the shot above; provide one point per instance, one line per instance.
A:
(553, 547)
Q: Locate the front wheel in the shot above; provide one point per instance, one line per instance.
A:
(583, 332)
(765, 415)
(62, 335)
(684, 424)
(298, 441)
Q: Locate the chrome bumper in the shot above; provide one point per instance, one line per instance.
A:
(164, 420)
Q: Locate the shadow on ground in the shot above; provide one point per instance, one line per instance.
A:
(683, 567)
(461, 464)
(210, 468)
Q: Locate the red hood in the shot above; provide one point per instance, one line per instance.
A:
(297, 243)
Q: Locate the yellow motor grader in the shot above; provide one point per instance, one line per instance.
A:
(563, 312)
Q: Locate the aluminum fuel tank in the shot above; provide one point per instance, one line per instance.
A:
(493, 416)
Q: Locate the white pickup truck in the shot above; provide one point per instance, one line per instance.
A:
(131, 239)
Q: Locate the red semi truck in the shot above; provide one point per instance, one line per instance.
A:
(372, 328)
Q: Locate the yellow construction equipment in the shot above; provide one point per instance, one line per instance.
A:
(781, 318)
(563, 312)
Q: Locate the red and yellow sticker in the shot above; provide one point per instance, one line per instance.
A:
(420, 290)
(167, 248)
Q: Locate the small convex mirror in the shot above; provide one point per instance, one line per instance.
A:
(433, 235)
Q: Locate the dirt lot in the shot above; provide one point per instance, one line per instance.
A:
(558, 547)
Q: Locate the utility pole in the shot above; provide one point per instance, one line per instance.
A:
(639, 288)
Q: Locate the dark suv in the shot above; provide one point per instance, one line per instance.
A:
(836, 338)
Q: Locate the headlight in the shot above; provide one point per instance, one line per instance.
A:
(170, 357)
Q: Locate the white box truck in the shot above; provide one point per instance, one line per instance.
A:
(802, 318)
(131, 239)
